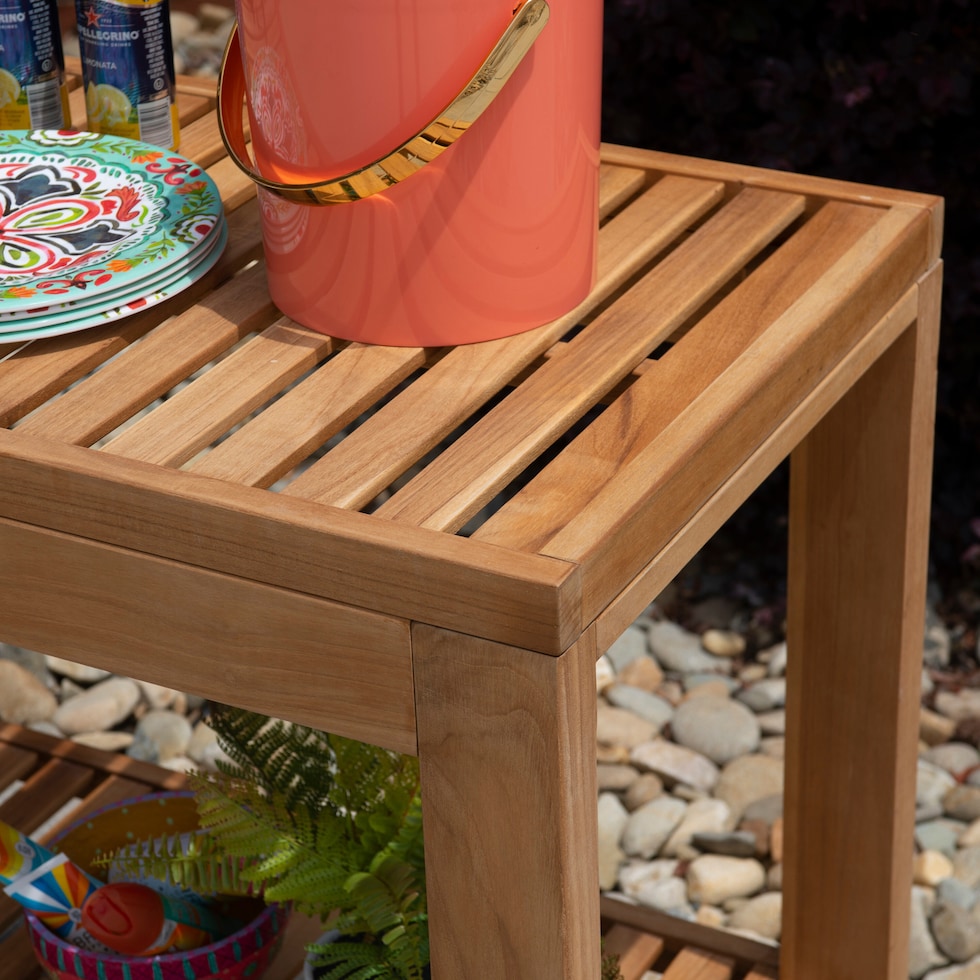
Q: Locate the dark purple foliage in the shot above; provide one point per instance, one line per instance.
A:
(879, 91)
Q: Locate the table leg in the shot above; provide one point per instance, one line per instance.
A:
(507, 754)
(859, 510)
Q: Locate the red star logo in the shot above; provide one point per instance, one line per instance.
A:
(92, 18)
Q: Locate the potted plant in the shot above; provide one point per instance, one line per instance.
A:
(327, 824)
(332, 826)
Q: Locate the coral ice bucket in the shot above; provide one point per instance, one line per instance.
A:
(427, 170)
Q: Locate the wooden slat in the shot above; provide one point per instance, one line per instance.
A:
(478, 465)
(678, 933)
(18, 961)
(617, 185)
(696, 964)
(290, 543)
(762, 973)
(641, 508)
(568, 484)
(636, 951)
(818, 187)
(288, 431)
(145, 371)
(15, 763)
(273, 651)
(209, 406)
(418, 419)
(697, 530)
(44, 368)
(47, 790)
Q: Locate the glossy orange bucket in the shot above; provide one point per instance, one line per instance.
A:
(428, 169)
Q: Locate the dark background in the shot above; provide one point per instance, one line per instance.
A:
(877, 91)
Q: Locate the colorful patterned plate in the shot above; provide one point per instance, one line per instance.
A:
(85, 213)
(24, 319)
(97, 316)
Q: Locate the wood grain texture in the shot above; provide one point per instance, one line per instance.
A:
(479, 464)
(697, 964)
(636, 951)
(689, 539)
(507, 755)
(290, 543)
(229, 640)
(285, 434)
(859, 512)
(425, 414)
(650, 497)
(224, 395)
(648, 407)
(148, 370)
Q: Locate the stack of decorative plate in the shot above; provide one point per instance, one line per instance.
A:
(95, 227)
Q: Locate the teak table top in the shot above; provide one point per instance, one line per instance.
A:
(177, 482)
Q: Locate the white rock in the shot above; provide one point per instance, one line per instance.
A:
(674, 648)
(161, 735)
(962, 971)
(761, 915)
(649, 827)
(646, 705)
(765, 695)
(612, 821)
(666, 895)
(723, 643)
(954, 757)
(157, 696)
(630, 645)
(748, 779)
(718, 728)
(959, 705)
(106, 741)
(24, 700)
(638, 876)
(777, 660)
(715, 878)
(702, 816)
(930, 867)
(182, 26)
(932, 783)
(618, 726)
(923, 952)
(604, 674)
(675, 764)
(100, 708)
(80, 673)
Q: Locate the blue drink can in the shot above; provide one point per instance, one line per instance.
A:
(33, 94)
(128, 69)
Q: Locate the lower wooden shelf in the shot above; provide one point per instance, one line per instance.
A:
(46, 783)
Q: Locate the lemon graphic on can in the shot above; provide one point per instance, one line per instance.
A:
(107, 107)
(9, 88)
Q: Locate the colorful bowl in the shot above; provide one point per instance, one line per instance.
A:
(244, 955)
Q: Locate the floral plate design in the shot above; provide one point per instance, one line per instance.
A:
(56, 312)
(71, 322)
(87, 213)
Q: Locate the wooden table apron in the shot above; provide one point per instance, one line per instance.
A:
(738, 316)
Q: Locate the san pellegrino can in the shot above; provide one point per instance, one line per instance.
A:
(128, 69)
(33, 93)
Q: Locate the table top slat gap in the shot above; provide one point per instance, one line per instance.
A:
(400, 434)
(288, 431)
(482, 462)
(149, 369)
(550, 500)
(223, 396)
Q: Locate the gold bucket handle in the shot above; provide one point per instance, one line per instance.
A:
(528, 21)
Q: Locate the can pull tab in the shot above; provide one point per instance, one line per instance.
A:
(530, 17)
